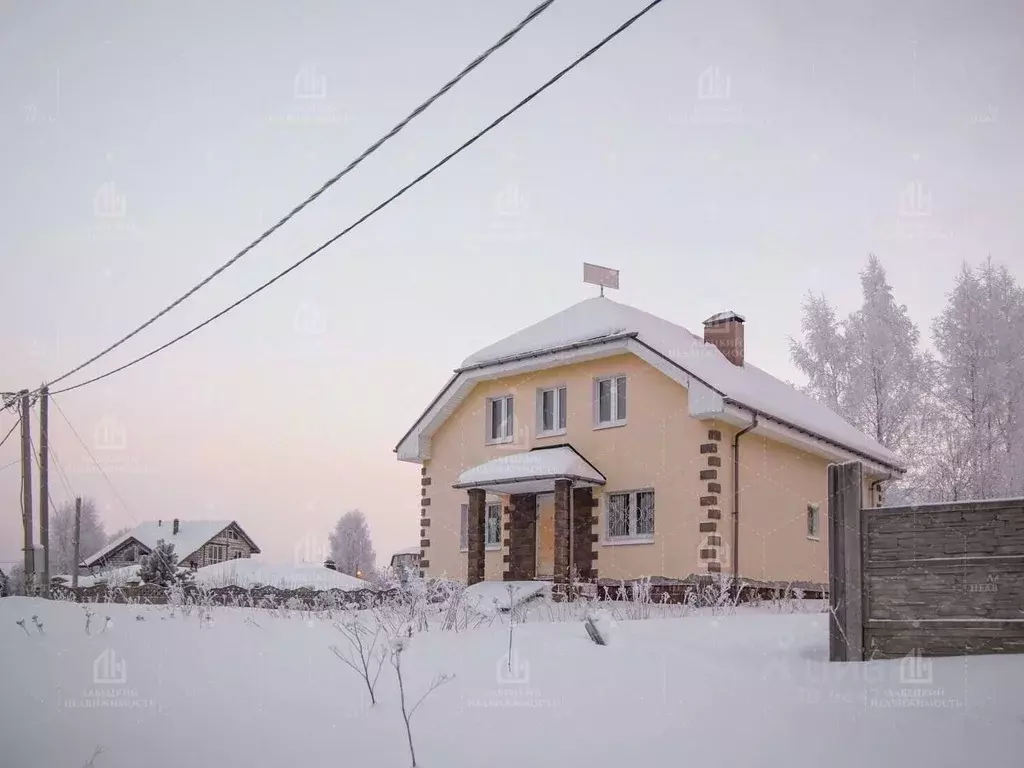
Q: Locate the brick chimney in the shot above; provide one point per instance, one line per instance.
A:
(725, 331)
(175, 531)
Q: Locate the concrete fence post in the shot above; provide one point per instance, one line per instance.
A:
(845, 575)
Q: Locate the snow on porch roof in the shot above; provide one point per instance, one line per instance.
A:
(531, 471)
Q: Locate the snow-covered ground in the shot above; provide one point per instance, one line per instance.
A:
(261, 688)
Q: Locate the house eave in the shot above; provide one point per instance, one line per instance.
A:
(708, 402)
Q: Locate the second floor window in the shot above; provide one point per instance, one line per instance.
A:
(500, 418)
(552, 410)
(611, 401)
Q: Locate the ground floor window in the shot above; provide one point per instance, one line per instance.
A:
(492, 527)
(630, 515)
(813, 524)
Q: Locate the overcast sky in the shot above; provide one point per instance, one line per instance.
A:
(722, 155)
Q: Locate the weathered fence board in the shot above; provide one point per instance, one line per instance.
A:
(890, 639)
(938, 579)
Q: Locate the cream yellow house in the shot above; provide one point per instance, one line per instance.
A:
(607, 443)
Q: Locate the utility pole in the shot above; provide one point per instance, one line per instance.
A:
(78, 538)
(44, 487)
(26, 491)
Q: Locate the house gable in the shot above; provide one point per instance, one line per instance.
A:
(127, 552)
(230, 543)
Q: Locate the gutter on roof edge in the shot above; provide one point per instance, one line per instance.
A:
(815, 435)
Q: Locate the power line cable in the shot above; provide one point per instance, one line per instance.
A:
(326, 185)
(465, 145)
(9, 433)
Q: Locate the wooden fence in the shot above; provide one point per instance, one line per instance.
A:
(932, 580)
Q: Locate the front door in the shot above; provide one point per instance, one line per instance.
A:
(545, 536)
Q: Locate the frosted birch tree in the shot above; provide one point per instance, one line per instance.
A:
(351, 546)
(980, 339)
(822, 355)
(867, 368)
(62, 535)
(888, 374)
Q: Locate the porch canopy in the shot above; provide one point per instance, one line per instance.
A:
(533, 471)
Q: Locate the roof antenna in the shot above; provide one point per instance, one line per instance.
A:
(606, 277)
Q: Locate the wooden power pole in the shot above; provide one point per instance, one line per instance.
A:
(26, 491)
(44, 488)
(78, 539)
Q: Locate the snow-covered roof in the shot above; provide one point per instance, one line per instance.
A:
(601, 322)
(531, 471)
(191, 535)
(253, 572)
(407, 551)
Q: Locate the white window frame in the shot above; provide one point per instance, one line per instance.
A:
(508, 424)
(561, 420)
(632, 537)
(490, 509)
(813, 522)
(616, 419)
(464, 525)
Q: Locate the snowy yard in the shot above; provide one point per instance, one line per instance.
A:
(262, 688)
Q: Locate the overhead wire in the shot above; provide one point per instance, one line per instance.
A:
(380, 206)
(398, 127)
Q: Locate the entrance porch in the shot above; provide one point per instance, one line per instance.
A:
(547, 525)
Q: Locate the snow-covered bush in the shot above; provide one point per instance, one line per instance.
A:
(160, 566)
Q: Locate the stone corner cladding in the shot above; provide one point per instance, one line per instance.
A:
(424, 521)
(710, 536)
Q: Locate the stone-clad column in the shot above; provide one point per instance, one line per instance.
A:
(562, 490)
(521, 538)
(475, 535)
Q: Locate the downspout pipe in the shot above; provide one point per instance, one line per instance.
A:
(736, 495)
